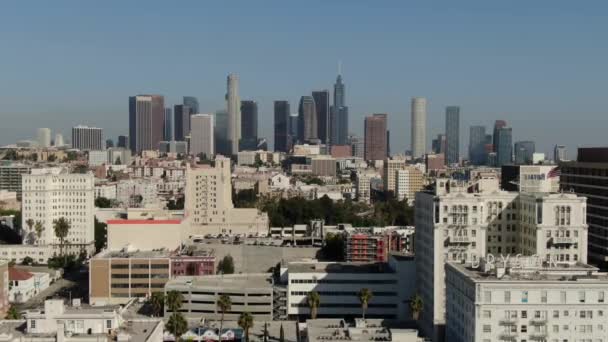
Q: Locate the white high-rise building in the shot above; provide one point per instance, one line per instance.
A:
(49, 194)
(59, 140)
(455, 224)
(389, 176)
(202, 138)
(44, 137)
(233, 102)
(522, 300)
(418, 127)
(409, 181)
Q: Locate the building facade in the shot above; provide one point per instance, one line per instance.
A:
(233, 109)
(524, 152)
(202, 139)
(308, 124)
(87, 138)
(249, 125)
(282, 132)
(504, 149)
(146, 122)
(452, 135)
(375, 137)
(477, 145)
(322, 106)
(181, 122)
(418, 127)
(11, 176)
(339, 114)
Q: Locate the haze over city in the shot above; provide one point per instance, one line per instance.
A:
(538, 65)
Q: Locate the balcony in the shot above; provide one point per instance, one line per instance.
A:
(508, 337)
(456, 240)
(508, 321)
(538, 321)
(538, 336)
(563, 240)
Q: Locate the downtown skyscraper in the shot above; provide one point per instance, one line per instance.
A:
(282, 132)
(233, 107)
(452, 135)
(192, 103)
(339, 115)
(87, 138)
(504, 147)
(477, 145)
(418, 127)
(181, 123)
(308, 125)
(321, 98)
(375, 144)
(202, 139)
(146, 122)
(249, 125)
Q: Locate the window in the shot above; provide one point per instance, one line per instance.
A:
(487, 328)
(487, 296)
(33, 324)
(524, 296)
(524, 314)
(507, 296)
(543, 296)
(600, 296)
(581, 296)
(109, 324)
(562, 296)
(524, 328)
(487, 314)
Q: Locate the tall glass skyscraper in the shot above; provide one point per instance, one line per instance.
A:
(504, 148)
(249, 125)
(452, 135)
(477, 145)
(168, 136)
(192, 103)
(524, 151)
(339, 115)
(181, 122)
(220, 131)
(321, 98)
(281, 126)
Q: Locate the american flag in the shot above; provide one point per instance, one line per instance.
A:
(555, 172)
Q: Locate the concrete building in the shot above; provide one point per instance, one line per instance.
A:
(409, 181)
(587, 177)
(144, 235)
(202, 139)
(39, 253)
(251, 292)
(173, 147)
(209, 204)
(418, 127)
(10, 176)
(43, 137)
(52, 194)
(452, 135)
(308, 121)
(529, 178)
(336, 329)
(434, 163)
(524, 151)
(323, 166)
(233, 108)
(58, 142)
(367, 245)
(24, 285)
(119, 156)
(87, 138)
(4, 287)
(376, 144)
(455, 224)
(391, 165)
(363, 185)
(338, 284)
(357, 146)
(514, 301)
(146, 122)
(97, 158)
(181, 122)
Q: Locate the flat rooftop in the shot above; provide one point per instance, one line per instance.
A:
(573, 273)
(229, 281)
(134, 254)
(338, 267)
(139, 330)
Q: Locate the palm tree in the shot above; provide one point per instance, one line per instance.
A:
(62, 228)
(39, 229)
(177, 325)
(174, 300)
(246, 322)
(314, 300)
(416, 306)
(281, 334)
(365, 295)
(158, 302)
(12, 313)
(224, 303)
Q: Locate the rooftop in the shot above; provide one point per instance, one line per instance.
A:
(18, 274)
(139, 330)
(229, 281)
(144, 221)
(338, 267)
(129, 253)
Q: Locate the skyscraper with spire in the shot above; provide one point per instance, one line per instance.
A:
(339, 113)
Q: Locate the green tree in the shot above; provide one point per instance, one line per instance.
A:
(281, 334)
(27, 261)
(314, 300)
(117, 161)
(177, 325)
(51, 158)
(39, 229)
(416, 306)
(174, 300)
(11, 155)
(246, 322)
(226, 265)
(101, 235)
(102, 202)
(224, 303)
(62, 228)
(13, 313)
(157, 301)
(365, 295)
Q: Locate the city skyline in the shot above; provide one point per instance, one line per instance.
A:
(484, 76)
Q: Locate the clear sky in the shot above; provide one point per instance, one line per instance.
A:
(540, 65)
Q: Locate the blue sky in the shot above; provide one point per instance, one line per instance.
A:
(540, 65)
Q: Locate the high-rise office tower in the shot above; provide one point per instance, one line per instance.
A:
(452, 135)
(357, 146)
(146, 121)
(339, 115)
(87, 138)
(477, 145)
(294, 123)
(307, 114)
(375, 137)
(192, 103)
(109, 143)
(559, 153)
(181, 122)
(282, 132)
(202, 139)
(498, 124)
(44, 137)
(321, 98)
(58, 140)
(504, 147)
(249, 125)
(123, 141)
(168, 128)
(233, 102)
(438, 144)
(222, 145)
(524, 151)
(418, 127)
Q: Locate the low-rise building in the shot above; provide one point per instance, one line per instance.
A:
(335, 329)
(525, 300)
(75, 319)
(248, 292)
(4, 286)
(144, 234)
(375, 245)
(23, 285)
